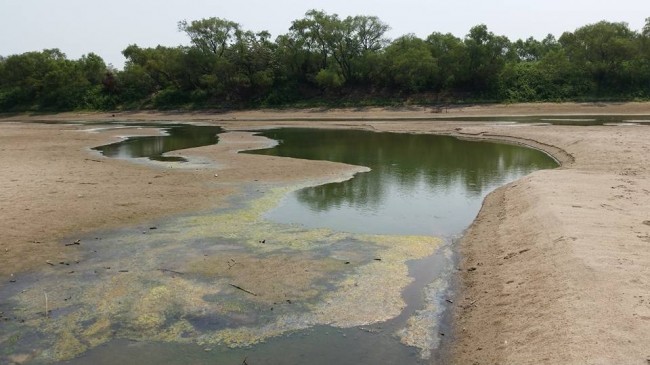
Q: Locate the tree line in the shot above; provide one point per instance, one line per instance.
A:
(327, 60)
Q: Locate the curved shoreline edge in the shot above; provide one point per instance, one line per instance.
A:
(538, 285)
(560, 260)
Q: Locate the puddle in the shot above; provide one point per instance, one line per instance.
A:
(176, 137)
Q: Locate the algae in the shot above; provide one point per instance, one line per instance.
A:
(175, 283)
(422, 329)
(68, 346)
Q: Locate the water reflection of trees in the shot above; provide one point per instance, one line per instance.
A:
(442, 163)
(153, 147)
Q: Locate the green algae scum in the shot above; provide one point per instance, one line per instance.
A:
(350, 272)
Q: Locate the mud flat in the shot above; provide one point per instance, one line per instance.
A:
(555, 269)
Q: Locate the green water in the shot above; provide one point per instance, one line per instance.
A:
(419, 184)
(177, 137)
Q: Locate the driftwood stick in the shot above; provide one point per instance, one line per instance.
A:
(244, 290)
(46, 306)
(77, 242)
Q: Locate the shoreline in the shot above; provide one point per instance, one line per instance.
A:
(403, 113)
(559, 257)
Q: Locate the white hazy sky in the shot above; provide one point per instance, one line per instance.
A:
(78, 27)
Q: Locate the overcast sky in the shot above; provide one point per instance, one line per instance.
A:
(78, 27)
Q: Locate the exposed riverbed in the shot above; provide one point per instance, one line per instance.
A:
(578, 295)
(229, 280)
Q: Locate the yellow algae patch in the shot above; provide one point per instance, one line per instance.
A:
(68, 346)
(152, 308)
(374, 293)
(190, 295)
(113, 293)
(134, 294)
(248, 336)
(412, 247)
(98, 332)
(175, 332)
(371, 294)
(178, 276)
(232, 307)
(242, 337)
(421, 329)
(272, 278)
(249, 227)
(32, 301)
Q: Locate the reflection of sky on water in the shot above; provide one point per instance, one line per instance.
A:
(419, 184)
(145, 146)
(417, 209)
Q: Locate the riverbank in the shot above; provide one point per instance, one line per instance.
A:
(353, 114)
(555, 268)
(54, 187)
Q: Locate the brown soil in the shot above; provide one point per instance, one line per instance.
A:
(555, 269)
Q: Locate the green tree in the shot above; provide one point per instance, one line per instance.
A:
(227, 66)
(210, 35)
(48, 80)
(329, 79)
(487, 55)
(252, 55)
(604, 51)
(451, 54)
(534, 50)
(369, 33)
(157, 73)
(339, 42)
(409, 65)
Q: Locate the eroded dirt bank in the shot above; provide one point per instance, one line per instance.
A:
(555, 269)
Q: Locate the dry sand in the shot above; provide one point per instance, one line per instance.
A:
(52, 186)
(554, 270)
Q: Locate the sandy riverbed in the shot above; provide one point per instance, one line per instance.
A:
(555, 269)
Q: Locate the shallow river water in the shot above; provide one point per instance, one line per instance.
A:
(353, 272)
(418, 184)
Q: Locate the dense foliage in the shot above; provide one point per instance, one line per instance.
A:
(326, 60)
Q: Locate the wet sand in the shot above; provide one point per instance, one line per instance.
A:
(555, 269)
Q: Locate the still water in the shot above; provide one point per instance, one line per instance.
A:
(419, 184)
(164, 293)
(176, 137)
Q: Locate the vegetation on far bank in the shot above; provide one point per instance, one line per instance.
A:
(325, 60)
